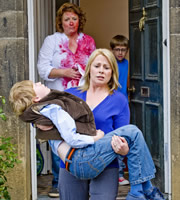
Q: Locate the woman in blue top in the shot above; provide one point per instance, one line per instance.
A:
(111, 111)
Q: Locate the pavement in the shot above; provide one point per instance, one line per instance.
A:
(46, 198)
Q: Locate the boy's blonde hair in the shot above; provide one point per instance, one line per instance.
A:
(113, 83)
(21, 96)
(119, 40)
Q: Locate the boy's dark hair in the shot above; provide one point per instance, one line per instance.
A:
(119, 40)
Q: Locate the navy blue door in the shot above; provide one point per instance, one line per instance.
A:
(146, 73)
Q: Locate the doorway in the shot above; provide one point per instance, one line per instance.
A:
(148, 48)
(108, 19)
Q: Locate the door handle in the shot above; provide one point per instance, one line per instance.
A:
(142, 20)
(133, 89)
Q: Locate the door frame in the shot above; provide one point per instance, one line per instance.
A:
(166, 93)
(35, 38)
(31, 46)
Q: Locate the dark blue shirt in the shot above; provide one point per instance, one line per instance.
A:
(123, 76)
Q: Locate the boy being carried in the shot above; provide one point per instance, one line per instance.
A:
(85, 156)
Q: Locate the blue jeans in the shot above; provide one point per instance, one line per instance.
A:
(55, 169)
(89, 162)
(122, 166)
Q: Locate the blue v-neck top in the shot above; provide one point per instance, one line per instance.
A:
(110, 114)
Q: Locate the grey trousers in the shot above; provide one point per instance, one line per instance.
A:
(103, 187)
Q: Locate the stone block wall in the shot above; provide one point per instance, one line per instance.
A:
(13, 68)
(175, 95)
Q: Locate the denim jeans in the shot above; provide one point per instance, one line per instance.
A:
(89, 162)
(122, 166)
(55, 169)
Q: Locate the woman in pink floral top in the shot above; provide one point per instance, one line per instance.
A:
(63, 55)
(62, 60)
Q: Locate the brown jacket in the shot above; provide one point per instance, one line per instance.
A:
(76, 107)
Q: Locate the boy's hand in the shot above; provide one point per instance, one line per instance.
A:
(120, 145)
(99, 135)
(44, 128)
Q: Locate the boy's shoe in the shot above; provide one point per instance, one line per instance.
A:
(132, 197)
(123, 181)
(54, 193)
(154, 194)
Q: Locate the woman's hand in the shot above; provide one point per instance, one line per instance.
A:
(120, 145)
(44, 128)
(68, 72)
(99, 135)
(72, 73)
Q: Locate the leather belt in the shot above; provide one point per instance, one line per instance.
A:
(71, 152)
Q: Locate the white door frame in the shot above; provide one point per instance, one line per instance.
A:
(166, 98)
(31, 42)
(34, 42)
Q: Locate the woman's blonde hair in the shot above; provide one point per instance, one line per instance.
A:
(113, 83)
(69, 7)
(21, 96)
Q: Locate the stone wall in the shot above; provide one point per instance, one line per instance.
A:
(13, 68)
(175, 95)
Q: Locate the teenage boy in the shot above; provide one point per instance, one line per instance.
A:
(120, 45)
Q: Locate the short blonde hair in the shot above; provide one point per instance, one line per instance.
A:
(113, 83)
(69, 7)
(21, 96)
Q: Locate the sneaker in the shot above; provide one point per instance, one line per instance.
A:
(154, 194)
(132, 197)
(54, 193)
(123, 181)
